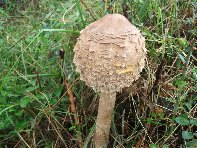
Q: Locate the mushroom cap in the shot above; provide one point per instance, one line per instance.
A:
(110, 53)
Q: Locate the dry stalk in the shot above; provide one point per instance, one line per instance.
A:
(73, 109)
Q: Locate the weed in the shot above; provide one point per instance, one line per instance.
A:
(34, 102)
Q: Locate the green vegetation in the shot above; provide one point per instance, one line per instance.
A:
(34, 102)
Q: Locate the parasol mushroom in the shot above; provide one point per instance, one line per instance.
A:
(109, 55)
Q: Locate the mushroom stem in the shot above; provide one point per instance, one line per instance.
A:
(103, 123)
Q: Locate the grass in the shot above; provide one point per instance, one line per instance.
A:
(34, 103)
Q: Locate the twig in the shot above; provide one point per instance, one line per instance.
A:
(72, 103)
(158, 74)
(90, 11)
(125, 9)
(73, 110)
(69, 91)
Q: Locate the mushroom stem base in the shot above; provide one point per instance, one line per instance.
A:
(103, 123)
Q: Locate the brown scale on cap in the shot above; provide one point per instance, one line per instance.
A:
(109, 55)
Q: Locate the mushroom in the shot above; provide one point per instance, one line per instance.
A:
(109, 55)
